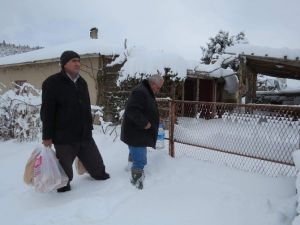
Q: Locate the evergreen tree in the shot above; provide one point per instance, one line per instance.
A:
(219, 43)
(240, 38)
(11, 49)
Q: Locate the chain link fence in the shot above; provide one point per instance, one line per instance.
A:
(255, 138)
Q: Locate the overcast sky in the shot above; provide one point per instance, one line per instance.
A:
(178, 25)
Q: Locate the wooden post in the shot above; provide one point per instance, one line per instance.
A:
(248, 85)
(214, 94)
(214, 97)
(172, 113)
(173, 90)
(197, 96)
(254, 81)
(100, 81)
(242, 81)
(182, 97)
(197, 90)
(251, 85)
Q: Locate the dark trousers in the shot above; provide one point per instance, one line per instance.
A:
(87, 152)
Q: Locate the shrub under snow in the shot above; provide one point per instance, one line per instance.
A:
(19, 113)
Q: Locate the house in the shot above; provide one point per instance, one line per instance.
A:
(35, 66)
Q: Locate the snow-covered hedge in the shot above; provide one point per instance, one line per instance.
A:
(19, 113)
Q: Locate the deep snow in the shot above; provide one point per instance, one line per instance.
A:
(178, 191)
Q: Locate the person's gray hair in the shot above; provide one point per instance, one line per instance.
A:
(156, 79)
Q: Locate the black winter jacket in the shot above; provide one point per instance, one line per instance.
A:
(140, 109)
(66, 110)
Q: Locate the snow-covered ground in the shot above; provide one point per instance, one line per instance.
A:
(178, 191)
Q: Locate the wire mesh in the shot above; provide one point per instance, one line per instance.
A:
(256, 138)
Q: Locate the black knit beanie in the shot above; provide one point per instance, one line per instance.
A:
(66, 56)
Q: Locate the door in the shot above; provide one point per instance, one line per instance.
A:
(201, 90)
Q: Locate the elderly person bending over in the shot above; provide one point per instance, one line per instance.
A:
(140, 125)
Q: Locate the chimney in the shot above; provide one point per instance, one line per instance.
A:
(94, 33)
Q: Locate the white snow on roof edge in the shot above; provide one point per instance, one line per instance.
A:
(87, 46)
(247, 49)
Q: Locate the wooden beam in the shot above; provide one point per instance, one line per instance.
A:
(294, 62)
(242, 79)
(283, 68)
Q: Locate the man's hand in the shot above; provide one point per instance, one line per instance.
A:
(147, 126)
(47, 143)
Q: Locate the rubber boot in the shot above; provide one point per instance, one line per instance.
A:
(137, 178)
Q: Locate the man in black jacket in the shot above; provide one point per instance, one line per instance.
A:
(140, 125)
(67, 120)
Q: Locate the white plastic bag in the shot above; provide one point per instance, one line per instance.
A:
(48, 173)
(28, 173)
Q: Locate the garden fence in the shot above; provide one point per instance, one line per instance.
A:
(252, 137)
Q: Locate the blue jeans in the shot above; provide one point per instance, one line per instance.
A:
(138, 156)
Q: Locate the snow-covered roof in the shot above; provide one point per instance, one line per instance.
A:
(247, 49)
(82, 47)
(215, 69)
(143, 60)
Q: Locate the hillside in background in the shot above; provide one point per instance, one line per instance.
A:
(7, 49)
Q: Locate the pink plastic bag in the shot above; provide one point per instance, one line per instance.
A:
(28, 173)
(48, 174)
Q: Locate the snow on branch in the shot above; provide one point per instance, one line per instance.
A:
(19, 113)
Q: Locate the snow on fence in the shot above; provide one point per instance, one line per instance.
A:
(256, 138)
